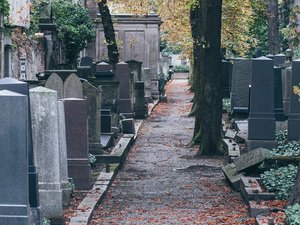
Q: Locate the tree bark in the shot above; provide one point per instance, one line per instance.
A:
(206, 31)
(273, 26)
(295, 194)
(109, 32)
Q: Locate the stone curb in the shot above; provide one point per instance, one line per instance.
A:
(118, 155)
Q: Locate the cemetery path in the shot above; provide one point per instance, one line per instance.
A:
(162, 183)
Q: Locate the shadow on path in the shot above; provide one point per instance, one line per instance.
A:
(161, 182)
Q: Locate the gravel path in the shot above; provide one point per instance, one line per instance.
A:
(162, 183)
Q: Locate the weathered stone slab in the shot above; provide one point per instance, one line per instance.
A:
(14, 202)
(232, 148)
(73, 87)
(54, 82)
(232, 175)
(251, 158)
(230, 134)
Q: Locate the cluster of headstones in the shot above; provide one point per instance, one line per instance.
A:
(261, 89)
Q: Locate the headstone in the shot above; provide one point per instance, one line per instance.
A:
(54, 82)
(122, 75)
(241, 79)
(231, 62)
(286, 86)
(279, 60)
(278, 101)
(225, 79)
(76, 117)
(103, 67)
(14, 159)
(261, 122)
(86, 61)
(45, 135)
(105, 121)
(232, 175)
(22, 88)
(73, 87)
(63, 154)
(93, 96)
(135, 67)
(294, 115)
(140, 106)
(84, 72)
(128, 126)
(146, 77)
(251, 158)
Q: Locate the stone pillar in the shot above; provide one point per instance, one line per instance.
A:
(261, 123)
(122, 75)
(76, 116)
(93, 96)
(63, 154)
(294, 114)
(146, 78)
(286, 86)
(45, 133)
(23, 88)
(278, 101)
(14, 160)
(140, 106)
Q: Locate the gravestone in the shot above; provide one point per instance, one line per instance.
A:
(73, 87)
(231, 62)
(20, 87)
(252, 158)
(279, 60)
(128, 126)
(45, 136)
(294, 112)
(87, 61)
(241, 79)
(135, 67)
(261, 122)
(140, 106)
(146, 73)
(14, 204)
(278, 101)
(123, 75)
(63, 154)
(93, 96)
(54, 82)
(84, 72)
(76, 117)
(225, 79)
(105, 121)
(286, 86)
(103, 67)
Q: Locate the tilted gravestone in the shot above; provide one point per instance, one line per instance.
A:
(45, 135)
(294, 115)
(261, 122)
(93, 96)
(14, 204)
(20, 87)
(76, 117)
(73, 87)
(54, 82)
(241, 79)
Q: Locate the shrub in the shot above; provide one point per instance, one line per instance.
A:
(293, 214)
(182, 69)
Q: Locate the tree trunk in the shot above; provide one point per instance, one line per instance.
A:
(109, 32)
(295, 194)
(206, 29)
(273, 27)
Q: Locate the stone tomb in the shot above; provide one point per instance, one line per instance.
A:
(76, 117)
(14, 204)
(45, 135)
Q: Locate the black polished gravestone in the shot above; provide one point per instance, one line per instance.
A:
(20, 87)
(279, 60)
(13, 148)
(225, 79)
(278, 101)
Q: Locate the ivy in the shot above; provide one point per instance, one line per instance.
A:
(293, 214)
(280, 181)
(4, 7)
(75, 27)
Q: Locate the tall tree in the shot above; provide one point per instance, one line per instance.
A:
(273, 26)
(109, 32)
(206, 32)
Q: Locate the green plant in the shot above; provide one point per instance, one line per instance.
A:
(75, 27)
(291, 148)
(46, 221)
(92, 159)
(293, 214)
(4, 7)
(181, 69)
(281, 137)
(71, 186)
(280, 181)
(226, 104)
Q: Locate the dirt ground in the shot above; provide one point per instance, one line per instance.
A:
(162, 183)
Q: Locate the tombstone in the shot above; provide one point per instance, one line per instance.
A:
(225, 79)
(128, 126)
(286, 86)
(140, 106)
(73, 87)
(146, 73)
(270, 56)
(14, 205)
(279, 60)
(261, 122)
(105, 121)
(122, 75)
(278, 101)
(294, 115)
(22, 88)
(103, 67)
(45, 136)
(135, 67)
(231, 62)
(54, 82)
(241, 79)
(87, 61)
(84, 72)
(76, 117)
(63, 154)
(93, 95)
